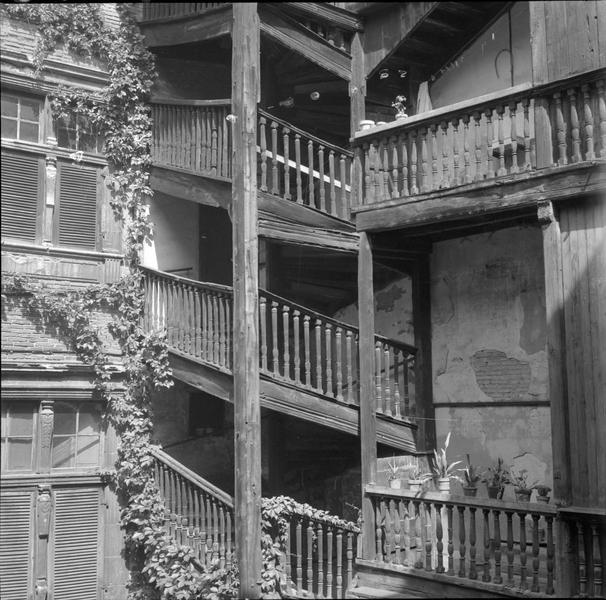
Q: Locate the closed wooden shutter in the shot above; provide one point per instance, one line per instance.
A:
(77, 206)
(21, 195)
(15, 545)
(76, 544)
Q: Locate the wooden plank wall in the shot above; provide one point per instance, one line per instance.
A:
(583, 238)
(565, 38)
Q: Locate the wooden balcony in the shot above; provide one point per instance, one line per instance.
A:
(453, 162)
(309, 362)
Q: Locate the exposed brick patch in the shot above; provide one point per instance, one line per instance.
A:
(500, 377)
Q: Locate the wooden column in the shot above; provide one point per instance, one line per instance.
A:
(247, 414)
(421, 307)
(368, 418)
(357, 86)
(558, 392)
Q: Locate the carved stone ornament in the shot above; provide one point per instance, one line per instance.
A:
(47, 417)
(43, 510)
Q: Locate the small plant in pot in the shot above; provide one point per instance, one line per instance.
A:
(394, 481)
(470, 479)
(442, 469)
(416, 479)
(495, 479)
(542, 493)
(522, 488)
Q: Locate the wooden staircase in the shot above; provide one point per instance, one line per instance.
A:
(308, 361)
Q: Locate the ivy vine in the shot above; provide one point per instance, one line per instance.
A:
(159, 566)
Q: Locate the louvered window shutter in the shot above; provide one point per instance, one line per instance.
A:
(21, 195)
(77, 206)
(76, 544)
(15, 545)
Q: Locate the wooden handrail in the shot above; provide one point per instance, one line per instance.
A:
(194, 478)
(217, 287)
(191, 102)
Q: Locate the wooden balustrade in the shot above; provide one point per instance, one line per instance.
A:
(173, 10)
(193, 135)
(199, 514)
(297, 345)
(505, 544)
(335, 36)
(297, 166)
(320, 556)
(483, 139)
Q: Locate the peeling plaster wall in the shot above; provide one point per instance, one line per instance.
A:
(488, 346)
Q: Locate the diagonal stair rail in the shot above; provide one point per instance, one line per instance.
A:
(194, 136)
(298, 346)
(320, 549)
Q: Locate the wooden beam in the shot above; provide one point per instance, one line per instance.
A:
(480, 199)
(368, 418)
(297, 38)
(357, 86)
(331, 15)
(247, 409)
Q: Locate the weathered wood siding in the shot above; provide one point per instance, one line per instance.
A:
(565, 38)
(583, 227)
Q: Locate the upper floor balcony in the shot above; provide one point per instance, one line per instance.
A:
(500, 151)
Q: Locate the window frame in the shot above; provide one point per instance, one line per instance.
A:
(41, 100)
(34, 461)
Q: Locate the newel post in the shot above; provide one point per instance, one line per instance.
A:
(368, 418)
(247, 413)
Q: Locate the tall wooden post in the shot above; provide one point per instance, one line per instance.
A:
(247, 413)
(368, 415)
(357, 86)
(558, 390)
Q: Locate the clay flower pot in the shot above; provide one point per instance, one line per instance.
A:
(395, 484)
(444, 484)
(494, 491)
(470, 491)
(523, 495)
(415, 485)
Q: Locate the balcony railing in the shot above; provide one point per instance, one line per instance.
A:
(508, 133)
(297, 345)
(173, 10)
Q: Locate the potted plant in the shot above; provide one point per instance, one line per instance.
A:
(522, 488)
(495, 479)
(470, 479)
(400, 105)
(542, 493)
(394, 481)
(416, 479)
(442, 469)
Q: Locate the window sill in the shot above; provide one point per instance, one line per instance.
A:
(24, 480)
(58, 250)
(55, 151)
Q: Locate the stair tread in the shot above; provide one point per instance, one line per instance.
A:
(372, 592)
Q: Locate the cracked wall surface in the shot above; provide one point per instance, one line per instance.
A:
(488, 347)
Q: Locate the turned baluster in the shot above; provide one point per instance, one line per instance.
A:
(486, 532)
(387, 528)
(467, 176)
(170, 314)
(418, 533)
(288, 551)
(439, 539)
(535, 552)
(339, 563)
(297, 361)
(263, 324)
(405, 374)
(206, 337)
(197, 323)
(332, 209)
(461, 510)
(413, 163)
(387, 378)
(449, 530)
(209, 529)
(393, 154)
(310, 564)
(404, 163)
(310, 176)
(263, 148)
(299, 546)
(329, 591)
(550, 554)
(523, 556)
(497, 547)
(383, 156)
(349, 360)
(368, 180)
(170, 114)
(228, 548)
(339, 366)
(456, 140)
(221, 537)
(306, 350)
(588, 122)
(328, 341)
(574, 126)
(299, 181)
(602, 116)
(286, 337)
(528, 143)
(582, 560)
(286, 148)
(274, 331)
(427, 534)
(445, 155)
(477, 135)
(501, 146)
(343, 202)
(213, 145)
(274, 158)
(397, 537)
(424, 166)
(434, 157)
(560, 129)
(349, 572)
(320, 559)
(224, 329)
(378, 377)
(597, 561)
(490, 139)
(513, 118)
(397, 410)
(378, 530)
(473, 574)
(215, 531)
(319, 382)
(216, 328)
(321, 171)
